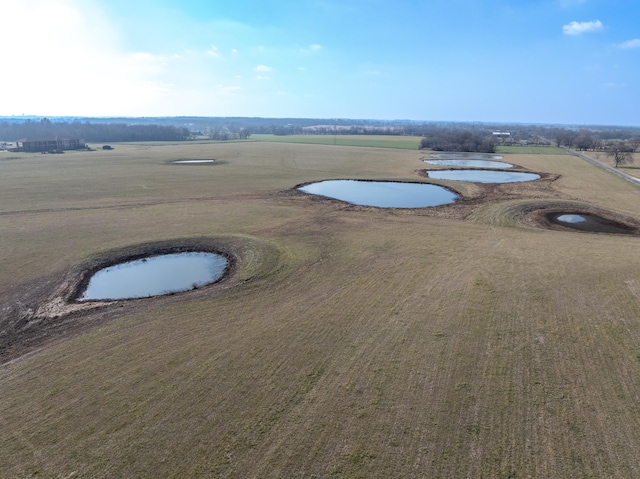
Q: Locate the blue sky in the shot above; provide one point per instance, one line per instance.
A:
(530, 61)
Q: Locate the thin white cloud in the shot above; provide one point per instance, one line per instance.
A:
(263, 78)
(230, 90)
(629, 44)
(578, 28)
(213, 52)
(311, 49)
(263, 69)
(152, 58)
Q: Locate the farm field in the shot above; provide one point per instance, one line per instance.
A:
(379, 141)
(531, 150)
(348, 342)
(632, 169)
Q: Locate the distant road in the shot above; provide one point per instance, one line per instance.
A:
(606, 167)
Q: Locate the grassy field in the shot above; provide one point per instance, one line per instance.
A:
(531, 150)
(357, 343)
(378, 141)
(632, 168)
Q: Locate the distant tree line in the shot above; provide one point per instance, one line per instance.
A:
(92, 132)
(594, 140)
(452, 136)
(225, 134)
(445, 139)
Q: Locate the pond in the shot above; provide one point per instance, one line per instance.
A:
(465, 156)
(471, 163)
(483, 176)
(383, 194)
(155, 275)
(589, 222)
(192, 161)
(571, 218)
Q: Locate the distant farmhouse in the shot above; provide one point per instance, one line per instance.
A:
(52, 143)
(503, 137)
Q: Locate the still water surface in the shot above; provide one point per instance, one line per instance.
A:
(382, 194)
(571, 218)
(468, 156)
(155, 275)
(471, 163)
(483, 176)
(192, 161)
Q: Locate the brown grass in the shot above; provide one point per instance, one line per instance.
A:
(374, 343)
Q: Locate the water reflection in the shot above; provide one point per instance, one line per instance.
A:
(471, 163)
(155, 275)
(483, 176)
(592, 223)
(468, 156)
(382, 194)
(571, 218)
(192, 161)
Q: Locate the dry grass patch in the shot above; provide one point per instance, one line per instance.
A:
(377, 344)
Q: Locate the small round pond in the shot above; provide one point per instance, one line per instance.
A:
(155, 275)
(382, 194)
(483, 176)
(465, 156)
(569, 218)
(471, 163)
(589, 222)
(186, 162)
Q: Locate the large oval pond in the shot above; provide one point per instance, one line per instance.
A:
(382, 194)
(471, 163)
(465, 156)
(483, 176)
(155, 275)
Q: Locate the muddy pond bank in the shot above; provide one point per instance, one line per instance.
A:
(586, 220)
(46, 309)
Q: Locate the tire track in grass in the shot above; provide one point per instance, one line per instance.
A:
(371, 368)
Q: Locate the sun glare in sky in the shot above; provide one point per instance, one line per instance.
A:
(547, 61)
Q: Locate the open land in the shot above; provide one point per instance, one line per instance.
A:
(632, 169)
(459, 341)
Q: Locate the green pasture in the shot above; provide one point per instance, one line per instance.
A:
(531, 150)
(355, 343)
(374, 141)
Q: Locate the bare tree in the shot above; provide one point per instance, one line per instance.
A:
(635, 143)
(584, 140)
(620, 153)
